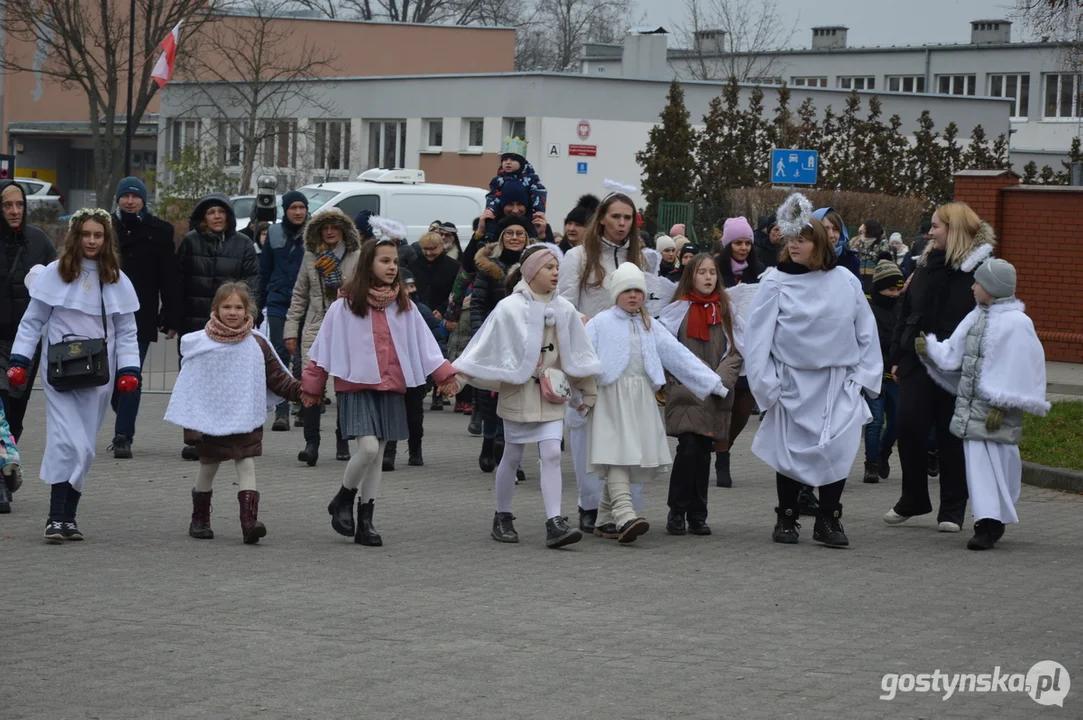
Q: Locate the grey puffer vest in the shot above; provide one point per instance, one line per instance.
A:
(968, 422)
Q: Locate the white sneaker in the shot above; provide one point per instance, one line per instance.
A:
(948, 527)
(893, 518)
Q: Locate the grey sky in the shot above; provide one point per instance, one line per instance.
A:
(913, 22)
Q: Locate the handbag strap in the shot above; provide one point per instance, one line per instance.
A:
(101, 291)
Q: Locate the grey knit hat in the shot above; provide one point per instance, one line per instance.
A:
(997, 277)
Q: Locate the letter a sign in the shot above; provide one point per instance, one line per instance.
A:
(554, 150)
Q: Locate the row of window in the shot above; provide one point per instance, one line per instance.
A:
(1062, 90)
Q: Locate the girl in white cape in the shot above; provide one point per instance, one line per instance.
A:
(83, 295)
(626, 442)
(229, 380)
(810, 346)
(996, 366)
(375, 344)
(532, 337)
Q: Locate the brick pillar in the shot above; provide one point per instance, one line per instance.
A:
(981, 190)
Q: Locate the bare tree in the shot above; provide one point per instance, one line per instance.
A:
(551, 33)
(753, 33)
(255, 74)
(83, 44)
(452, 12)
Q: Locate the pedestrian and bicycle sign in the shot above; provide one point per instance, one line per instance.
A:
(794, 167)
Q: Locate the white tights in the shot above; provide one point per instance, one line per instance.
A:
(549, 450)
(246, 474)
(365, 468)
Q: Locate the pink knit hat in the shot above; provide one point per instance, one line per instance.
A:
(736, 228)
(676, 230)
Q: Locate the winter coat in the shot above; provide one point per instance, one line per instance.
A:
(34, 248)
(765, 251)
(209, 259)
(937, 300)
(279, 264)
(148, 257)
(590, 300)
(685, 413)
(885, 310)
(310, 298)
(529, 179)
(435, 280)
(220, 448)
(968, 421)
(489, 287)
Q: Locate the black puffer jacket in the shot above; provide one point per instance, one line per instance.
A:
(435, 280)
(493, 263)
(33, 247)
(209, 259)
(148, 257)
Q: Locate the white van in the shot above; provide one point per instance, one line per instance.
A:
(403, 195)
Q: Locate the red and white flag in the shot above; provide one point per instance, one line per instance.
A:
(163, 69)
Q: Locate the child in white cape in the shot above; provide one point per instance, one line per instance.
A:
(527, 343)
(626, 442)
(996, 366)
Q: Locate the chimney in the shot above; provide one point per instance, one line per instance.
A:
(644, 54)
(988, 32)
(829, 37)
(710, 41)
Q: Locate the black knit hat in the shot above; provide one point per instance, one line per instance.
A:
(583, 210)
(511, 220)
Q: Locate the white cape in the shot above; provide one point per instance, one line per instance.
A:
(222, 387)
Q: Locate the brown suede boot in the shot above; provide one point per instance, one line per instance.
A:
(201, 516)
(251, 528)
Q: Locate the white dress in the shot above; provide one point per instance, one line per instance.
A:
(626, 427)
(73, 418)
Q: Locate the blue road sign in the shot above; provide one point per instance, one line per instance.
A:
(581, 168)
(794, 167)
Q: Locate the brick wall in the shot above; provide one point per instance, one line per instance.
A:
(1038, 231)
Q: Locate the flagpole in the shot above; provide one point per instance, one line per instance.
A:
(131, 82)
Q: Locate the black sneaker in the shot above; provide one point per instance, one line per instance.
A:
(70, 531)
(883, 468)
(698, 526)
(558, 533)
(633, 529)
(121, 447)
(503, 529)
(281, 424)
(787, 528)
(934, 465)
(986, 533)
(828, 529)
(675, 523)
(415, 458)
(608, 531)
(54, 531)
(520, 476)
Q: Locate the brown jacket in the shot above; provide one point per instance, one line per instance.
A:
(216, 449)
(685, 413)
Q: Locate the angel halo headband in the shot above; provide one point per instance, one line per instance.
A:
(84, 213)
(794, 215)
(615, 187)
(386, 229)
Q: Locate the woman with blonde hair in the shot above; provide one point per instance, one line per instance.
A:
(937, 299)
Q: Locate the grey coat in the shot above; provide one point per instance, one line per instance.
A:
(971, 408)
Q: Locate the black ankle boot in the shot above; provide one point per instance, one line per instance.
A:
(828, 529)
(697, 525)
(806, 501)
(503, 529)
(787, 527)
(986, 533)
(416, 460)
(558, 533)
(475, 426)
(487, 461)
(723, 479)
(342, 449)
(883, 468)
(872, 472)
(934, 464)
(310, 455)
(366, 533)
(389, 456)
(675, 523)
(587, 520)
(341, 509)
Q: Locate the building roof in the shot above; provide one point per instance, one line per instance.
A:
(147, 127)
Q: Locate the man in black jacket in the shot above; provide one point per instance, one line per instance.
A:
(212, 252)
(147, 256)
(767, 243)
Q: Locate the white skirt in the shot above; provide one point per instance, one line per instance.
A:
(626, 429)
(994, 472)
(522, 433)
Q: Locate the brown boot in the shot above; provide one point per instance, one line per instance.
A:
(251, 528)
(201, 516)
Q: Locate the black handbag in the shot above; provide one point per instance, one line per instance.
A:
(77, 362)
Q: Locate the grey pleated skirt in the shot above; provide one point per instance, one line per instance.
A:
(372, 412)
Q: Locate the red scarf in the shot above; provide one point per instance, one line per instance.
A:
(702, 314)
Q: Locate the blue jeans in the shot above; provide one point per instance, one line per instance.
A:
(278, 342)
(880, 436)
(126, 405)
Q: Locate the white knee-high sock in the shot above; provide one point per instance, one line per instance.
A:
(370, 484)
(205, 476)
(246, 473)
(620, 494)
(366, 451)
(505, 475)
(551, 481)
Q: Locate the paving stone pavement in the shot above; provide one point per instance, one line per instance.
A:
(140, 621)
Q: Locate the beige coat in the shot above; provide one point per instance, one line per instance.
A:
(310, 298)
(685, 413)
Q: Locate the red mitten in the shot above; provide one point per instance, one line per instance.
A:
(127, 383)
(17, 376)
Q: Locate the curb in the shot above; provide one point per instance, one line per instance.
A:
(1052, 478)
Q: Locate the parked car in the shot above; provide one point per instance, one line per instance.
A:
(40, 195)
(403, 195)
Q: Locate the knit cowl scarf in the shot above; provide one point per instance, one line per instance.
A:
(703, 312)
(381, 297)
(328, 264)
(220, 332)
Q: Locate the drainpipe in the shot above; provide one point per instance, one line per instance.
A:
(928, 69)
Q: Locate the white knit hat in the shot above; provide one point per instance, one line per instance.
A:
(627, 277)
(664, 242)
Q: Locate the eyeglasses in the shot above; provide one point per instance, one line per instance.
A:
(515, 234)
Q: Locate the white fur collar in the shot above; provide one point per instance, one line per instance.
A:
(980, 254)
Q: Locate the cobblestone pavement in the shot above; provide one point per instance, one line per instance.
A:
(140, 621)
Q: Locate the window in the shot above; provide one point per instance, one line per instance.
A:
(1012, 86)
(435, 130)
(279, 143)
(475, 133)
(857, 83)
(1061, 96)
(183, 135)
(765, 80)
(332, 143)
(808, 81)
(356, 203)
(229, 144)
(515, 127)
(906, 83)
(955, 84)
(601, 69)
(387, 144)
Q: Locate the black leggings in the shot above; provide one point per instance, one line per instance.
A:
(789, 490)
